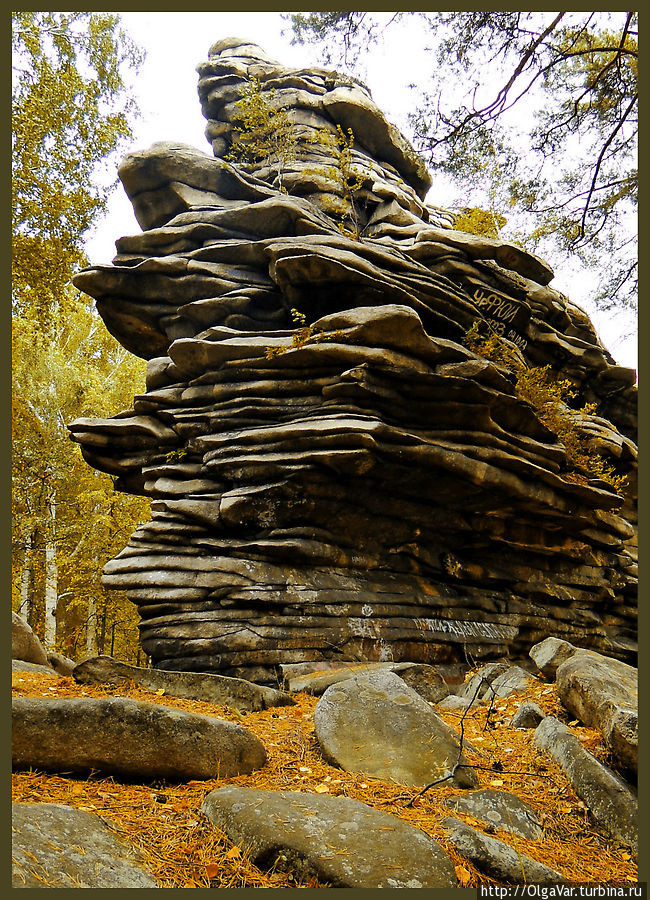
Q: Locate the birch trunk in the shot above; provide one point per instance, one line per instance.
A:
(51, 577)
(26, 579)
(91, 632)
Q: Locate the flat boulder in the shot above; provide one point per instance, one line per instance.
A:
(55, 846)
(61, 664)
(25, 644)
(425, 679)
(604, 694)
(500, 810)
(477, 685)
(20, 665)
(551, 653)
(343, 841)
(496, 858)
(611, 801)
(130, 738)
(454, 703)
(378, 725)
(529, 715)
(514, 680)
(218, 689)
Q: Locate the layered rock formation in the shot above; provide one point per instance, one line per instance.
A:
(332, 473)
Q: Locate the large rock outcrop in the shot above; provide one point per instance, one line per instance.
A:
(348, 481)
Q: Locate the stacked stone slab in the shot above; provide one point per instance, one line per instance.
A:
(363, 487)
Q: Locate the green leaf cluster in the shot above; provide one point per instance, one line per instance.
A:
(263, 133)
(305, 334)
(479, 221)
(70, 111)
(550, 398)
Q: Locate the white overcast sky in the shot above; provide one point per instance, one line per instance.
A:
(166, 89)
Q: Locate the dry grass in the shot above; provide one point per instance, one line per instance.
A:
(183, 849)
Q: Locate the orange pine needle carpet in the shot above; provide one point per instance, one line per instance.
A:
(182, 848)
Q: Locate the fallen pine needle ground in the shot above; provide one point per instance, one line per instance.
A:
(181, 847)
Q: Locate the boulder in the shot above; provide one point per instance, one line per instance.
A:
(612, 802)
(19, 665)
(130, 738)
(62, 665)
(425, 680)
(55, 846)
(454, 703)
(604, 694)
(217, 689)
(514, 680)
(549, 654)
(478, 685)
(495, 858)
(529, 715)
(25, 644)
(377, 725)
(500, 810)
(344, 842)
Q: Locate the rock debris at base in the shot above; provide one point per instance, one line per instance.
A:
(56, 846)
(345, 842)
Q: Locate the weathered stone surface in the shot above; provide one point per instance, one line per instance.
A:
(377, 725)
(62, 665)
(343, 841)
(529, 715)
(604, 694)
(478, 686)
(363, 488)
(612, 802)
(549, 654)
(454, 703)
(25, 644)
(425, 680)
(216, 689)
(128, 737)
(514, 680)
(500, 810)
(495, 858)
(19, 665)
(56, 846)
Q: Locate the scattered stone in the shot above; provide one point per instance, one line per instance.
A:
(500, 810)
(604, 694)
(495, 858)
(19, 665)
(454, 703)
(612, 802)
(425, 680)
(128, 737)
(377, 725)
(529, 715)
(344, 842)
(217, 689)
(549, 654)
(477, 686)
(514, 680)
(25, 644)
(62, 665)
(55, 846)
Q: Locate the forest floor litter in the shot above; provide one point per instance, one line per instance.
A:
(182, 848)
